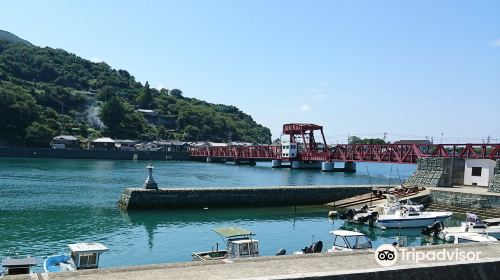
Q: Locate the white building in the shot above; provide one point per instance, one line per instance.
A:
(478, 172)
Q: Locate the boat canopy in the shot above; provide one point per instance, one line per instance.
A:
(229, 232)
(346, 233)
(88, 248)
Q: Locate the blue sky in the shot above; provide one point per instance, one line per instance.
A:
(408, 68)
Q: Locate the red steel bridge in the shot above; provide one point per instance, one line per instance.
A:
(299, 144)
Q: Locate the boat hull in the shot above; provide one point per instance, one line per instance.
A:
(210, 255)
(422, 220)
(58, 263)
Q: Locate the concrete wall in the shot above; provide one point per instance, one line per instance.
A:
(90, 154)
(495, 182)
(465, 200)
(133, 198)
(437, 172)
(487, 168)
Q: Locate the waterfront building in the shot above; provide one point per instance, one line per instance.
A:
(65, 142)
(104, 143)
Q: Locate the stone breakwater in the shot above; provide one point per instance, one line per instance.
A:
(495, 182)
(437, 172)
(178, 198)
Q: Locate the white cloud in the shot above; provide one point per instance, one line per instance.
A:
(496, 43)
(305, 108)
(96, 60)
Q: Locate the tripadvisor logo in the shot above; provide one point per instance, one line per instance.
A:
(386, 255)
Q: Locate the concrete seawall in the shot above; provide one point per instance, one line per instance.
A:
(90, 154)
(466, 198)
(135, 198)
(342, 265)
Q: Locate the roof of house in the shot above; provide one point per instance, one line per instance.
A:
(124, 141)
(403, 142)
(170, 142)
(103, 140)
(65, 137)
(10, 262)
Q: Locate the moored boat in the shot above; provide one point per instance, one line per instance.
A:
(82, 256)
(472, 224)
(369, 214)
(470, 237)
(410, 218)
(346, 240)
(239, 244)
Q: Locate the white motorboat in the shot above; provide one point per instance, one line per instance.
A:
(83, 256)
(389, 207)
(468, 237)
(409, 218)
(239, 244)
(346, 240)
(472, 224)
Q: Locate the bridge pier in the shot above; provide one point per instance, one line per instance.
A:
(306, 165)
(276, 163)
(350, 166)
(327, 166)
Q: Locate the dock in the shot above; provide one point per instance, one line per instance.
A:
(341, 265)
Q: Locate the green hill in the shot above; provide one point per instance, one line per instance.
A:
(7, 36)
(46, 92)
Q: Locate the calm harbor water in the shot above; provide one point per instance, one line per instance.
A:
(48, 203)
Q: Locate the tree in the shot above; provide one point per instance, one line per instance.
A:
(17, 111)
(112, 114)
(145, 98)
(120, 119)
(176, 93)
(39, 135)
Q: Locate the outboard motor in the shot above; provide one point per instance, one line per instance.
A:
(433, 229)
(316, 247)
(363, 209)
(348, 215)
(281, 252)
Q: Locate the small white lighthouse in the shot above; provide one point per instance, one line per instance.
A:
(150, 183)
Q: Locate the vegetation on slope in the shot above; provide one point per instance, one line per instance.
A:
(46, 92)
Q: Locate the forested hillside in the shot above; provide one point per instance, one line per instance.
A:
(46, 92)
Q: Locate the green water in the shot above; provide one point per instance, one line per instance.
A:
(48, 203)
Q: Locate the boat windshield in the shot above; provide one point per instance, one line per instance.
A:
(254, 248)
(358, 242)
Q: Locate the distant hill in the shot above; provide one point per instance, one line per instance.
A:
(46, 92)
(7, 36)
